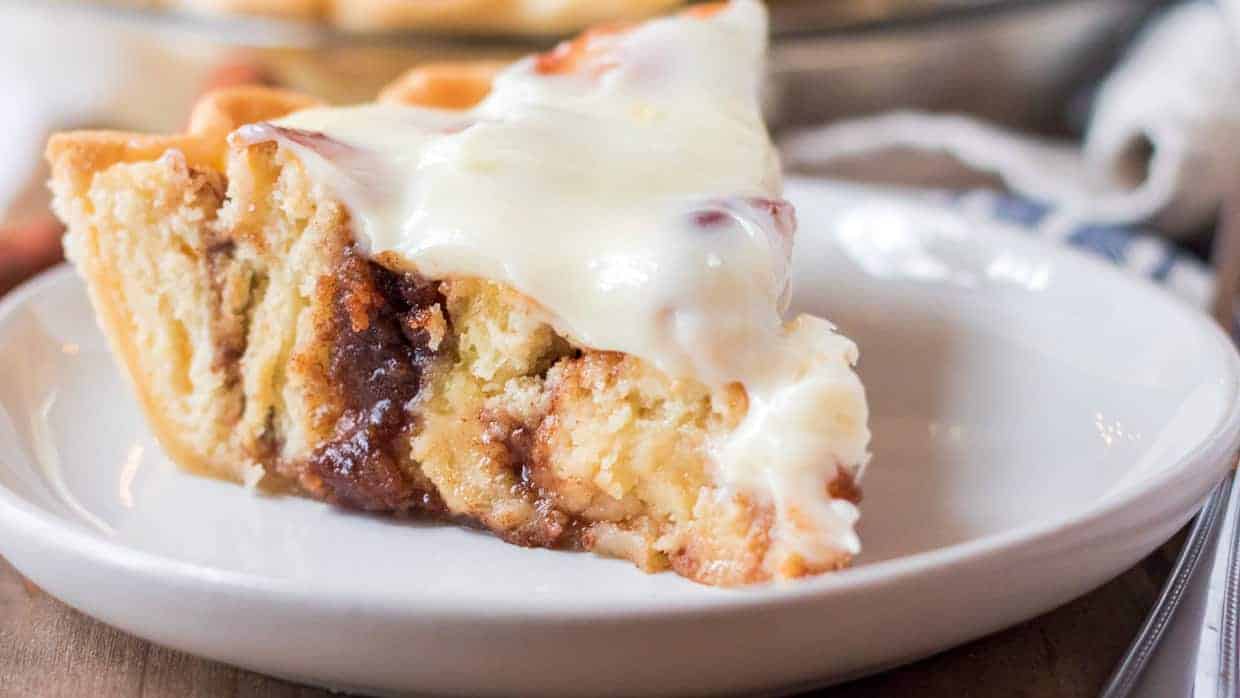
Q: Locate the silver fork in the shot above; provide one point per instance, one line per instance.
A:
(1197, 548)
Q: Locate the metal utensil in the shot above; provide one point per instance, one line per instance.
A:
(1227, 644)
(1227, 286)
(1126, 675)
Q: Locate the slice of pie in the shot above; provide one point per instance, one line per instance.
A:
(544, 300)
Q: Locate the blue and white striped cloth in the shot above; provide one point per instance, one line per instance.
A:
(1136, 249)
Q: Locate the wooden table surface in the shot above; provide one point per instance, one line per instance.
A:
(49, 650)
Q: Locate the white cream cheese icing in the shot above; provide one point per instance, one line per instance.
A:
(637, 199)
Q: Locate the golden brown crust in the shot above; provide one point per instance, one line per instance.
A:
(79, 154)
(82, 153)
(446, 85)
(221, 112)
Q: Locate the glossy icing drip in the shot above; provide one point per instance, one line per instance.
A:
(628, 185)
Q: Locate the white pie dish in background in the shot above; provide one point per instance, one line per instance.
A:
(1041, 421)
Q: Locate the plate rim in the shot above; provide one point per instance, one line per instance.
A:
(1208, 458)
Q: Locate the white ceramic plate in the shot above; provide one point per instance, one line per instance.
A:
(1040, 422)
